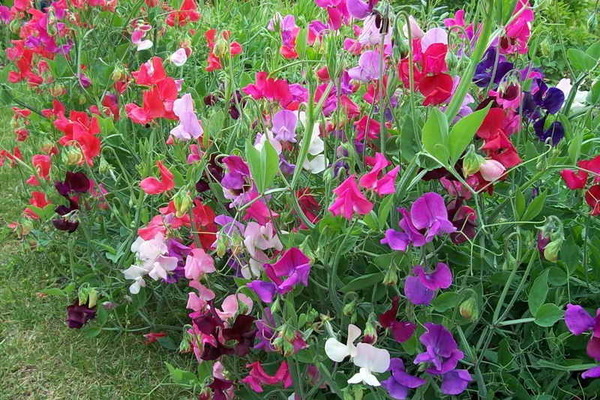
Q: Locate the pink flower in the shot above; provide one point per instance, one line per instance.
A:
(350, 200)
(197, 264)
(369, 67)
(152, 185)
(372, 180)
(258, 377)
(189, 126)
(231, 304)
(179, 58)
(491, 170)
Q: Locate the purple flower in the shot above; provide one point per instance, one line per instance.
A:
(441, 350)
(421, 289)
(292, 269)
(284, 126)
(592, 373)
(265, 331)
(360, 9)
(399, 382)
(555, 131)
(456, 381)
(550, 99)
(428, 218)
(79, 315)
(368, 66)
(578, 320)
(485, 69)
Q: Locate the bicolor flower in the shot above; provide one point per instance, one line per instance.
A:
(427, 219)
(292, 269)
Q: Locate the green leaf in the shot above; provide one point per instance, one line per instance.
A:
(364, 281)
(594, 95)
(53, 292)
(463, 131)
(594, 51)
(384, 210)
(264, 164)
(580, 60)
(535, 207)
(538, 292)
(446, 301)
(181, 376)
(434, 136)
(548, 314)
(519, 205)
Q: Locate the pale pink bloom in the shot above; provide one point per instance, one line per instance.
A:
(137, 38)
(189, 126)
(197, 264)
(491, 170)
(179, 58)
(231, 304)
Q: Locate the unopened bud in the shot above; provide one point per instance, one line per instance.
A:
(182, 201)
(472, 162)
(391, 277)
(221, 48)
(552, 250)
(491, 170)
(72, 156)
(469, 309)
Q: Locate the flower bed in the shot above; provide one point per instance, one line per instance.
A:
(337, 202)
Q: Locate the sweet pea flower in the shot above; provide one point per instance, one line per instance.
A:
(189, 126)
(455, 382)
(368, 68)
(398, 384)
(360, 9)
(491, 170)
(292, 269)
(231, 305)
(137, 38)
(337, 351)
(370, 359)
(401, 330)
(578, 321)
(151, 260)
(441, 349)
(374, 180)
(258, 377)
(197, 264)
(152, 185)
(179, 58)
(349, 200)
(421, 289)
(284, 126)
(428, 218)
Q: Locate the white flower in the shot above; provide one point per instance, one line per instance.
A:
(316, 165)
(580, 96)
(337, 351)
(370, 359)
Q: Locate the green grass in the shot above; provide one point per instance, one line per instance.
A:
(40, 358)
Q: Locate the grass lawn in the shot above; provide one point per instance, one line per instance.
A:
(40, 358)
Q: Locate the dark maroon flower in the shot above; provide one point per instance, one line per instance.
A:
(79, 315)
(401, 330)
(464, 219)
(75, 182)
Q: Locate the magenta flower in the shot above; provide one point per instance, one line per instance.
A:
(368, 67)
(292, 269)
(579, 321)
(360, 9)
(427, 219)
(421, 289)
(284, 126)
(441, 350)
(398, 384)
(258, 377)
(382, 184)
(350, 200)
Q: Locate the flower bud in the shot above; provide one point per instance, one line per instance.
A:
(472, 162)
(72, 156)
(552, 250)
(349, 308)
(221, 48)
(57, 90)
(92, 298)
(469, 309)
(491, 170)
(182, 201)
(370, 333)
(391, 277)
(118, 74)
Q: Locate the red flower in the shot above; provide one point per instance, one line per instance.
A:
(188, 12)
(80, 130)
(152, 185)
(367, 128)
(436, 88)
(592, 197)
(578, 179)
